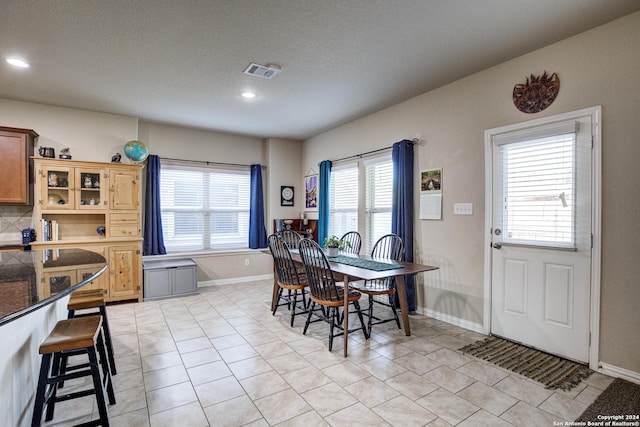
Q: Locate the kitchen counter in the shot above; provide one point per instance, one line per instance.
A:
(23, 288)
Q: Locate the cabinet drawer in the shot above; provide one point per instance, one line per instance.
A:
(124, 230)
(123, 218)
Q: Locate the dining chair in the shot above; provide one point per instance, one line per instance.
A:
(390, 247)
(291, 238)
(323, 291)
(289, 277)
(355, 242)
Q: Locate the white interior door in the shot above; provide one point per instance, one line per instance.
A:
(541, 236)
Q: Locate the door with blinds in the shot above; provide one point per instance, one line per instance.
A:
(541, 236)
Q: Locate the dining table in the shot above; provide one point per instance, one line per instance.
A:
(353, 267)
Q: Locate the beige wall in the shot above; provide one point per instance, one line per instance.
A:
(90, 136)
(599, 67)
(284, 169)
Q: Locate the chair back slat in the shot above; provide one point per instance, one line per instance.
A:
(322, 284)
(283, 263)
(291, 237)
(389, 246)
(355, 242)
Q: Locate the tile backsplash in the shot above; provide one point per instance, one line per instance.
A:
(12, 220)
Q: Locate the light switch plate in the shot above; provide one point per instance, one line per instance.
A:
(463, 208)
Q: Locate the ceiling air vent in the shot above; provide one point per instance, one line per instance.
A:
(265, 71)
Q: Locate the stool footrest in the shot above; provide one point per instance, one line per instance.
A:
(75, 395)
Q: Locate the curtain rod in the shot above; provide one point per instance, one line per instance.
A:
(205, 162)
(413, 141)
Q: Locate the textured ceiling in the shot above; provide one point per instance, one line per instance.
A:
(181, 62)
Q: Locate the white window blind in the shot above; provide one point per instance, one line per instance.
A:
(538, 191)
(379, 192)
(343, 204)
(204, 208)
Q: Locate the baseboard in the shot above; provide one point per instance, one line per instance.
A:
(235, 280)
(614, 371)
(456, 321)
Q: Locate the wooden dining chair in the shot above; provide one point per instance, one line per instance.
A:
(391, 247)
(323, 291)
(289, 278)
(291, 238)
(355, 242)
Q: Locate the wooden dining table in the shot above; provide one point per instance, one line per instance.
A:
(350, 273)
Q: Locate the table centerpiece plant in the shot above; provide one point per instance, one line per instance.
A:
(333, 244)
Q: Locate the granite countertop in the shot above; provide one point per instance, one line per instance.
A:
(21, 288)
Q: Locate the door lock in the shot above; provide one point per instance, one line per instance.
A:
(498, 232)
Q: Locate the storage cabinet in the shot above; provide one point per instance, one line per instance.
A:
(93, 206)
(16, 166)
(168, 278)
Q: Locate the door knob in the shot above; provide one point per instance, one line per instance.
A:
(497, 245)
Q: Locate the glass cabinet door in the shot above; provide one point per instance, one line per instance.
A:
(90, 189)
(58, 183)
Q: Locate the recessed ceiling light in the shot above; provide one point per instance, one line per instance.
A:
(248, 95)
(17, 62)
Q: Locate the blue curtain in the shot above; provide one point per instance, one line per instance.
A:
(153, 238)
(257, 230)
(323, 201)
(402, 207)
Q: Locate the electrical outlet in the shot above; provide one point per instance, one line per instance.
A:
(463, 208)
(247, 261)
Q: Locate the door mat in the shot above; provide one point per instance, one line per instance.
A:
(621, 398)
(552, 371)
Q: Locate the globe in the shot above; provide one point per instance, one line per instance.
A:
(136, 151)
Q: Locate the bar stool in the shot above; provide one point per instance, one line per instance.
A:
(92, 299)
(79, 335)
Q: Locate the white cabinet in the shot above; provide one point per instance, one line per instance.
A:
(169, 278)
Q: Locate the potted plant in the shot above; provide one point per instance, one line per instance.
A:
(333, 244)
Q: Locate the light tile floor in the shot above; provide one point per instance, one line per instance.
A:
(221, 359)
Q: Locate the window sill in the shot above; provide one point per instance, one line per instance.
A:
(203, 254)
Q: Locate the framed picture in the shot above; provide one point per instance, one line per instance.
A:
(311, 192)
(286, 195)
(431, 180)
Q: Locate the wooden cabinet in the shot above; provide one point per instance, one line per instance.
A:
(93, 206)
(16, 166)
(310, 229)
(125, 272)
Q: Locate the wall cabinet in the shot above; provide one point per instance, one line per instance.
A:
(93, 206)
(16, 166)
(167, 278)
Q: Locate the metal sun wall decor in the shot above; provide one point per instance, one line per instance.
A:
(537, 93)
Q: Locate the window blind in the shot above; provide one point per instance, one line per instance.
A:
(343, 204)
(204, 208)
(538, 191)
(379, 194)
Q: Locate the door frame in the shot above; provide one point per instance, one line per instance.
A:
(596, 214)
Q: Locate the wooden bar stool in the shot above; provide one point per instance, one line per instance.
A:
(79, 335)
(87, 300)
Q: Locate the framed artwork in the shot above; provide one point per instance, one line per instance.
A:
(286, 195)
(311, 192)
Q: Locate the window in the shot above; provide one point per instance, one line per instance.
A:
(204, 208)
(379, 192)
(343, 203)
(369, 199)
(538, 190)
